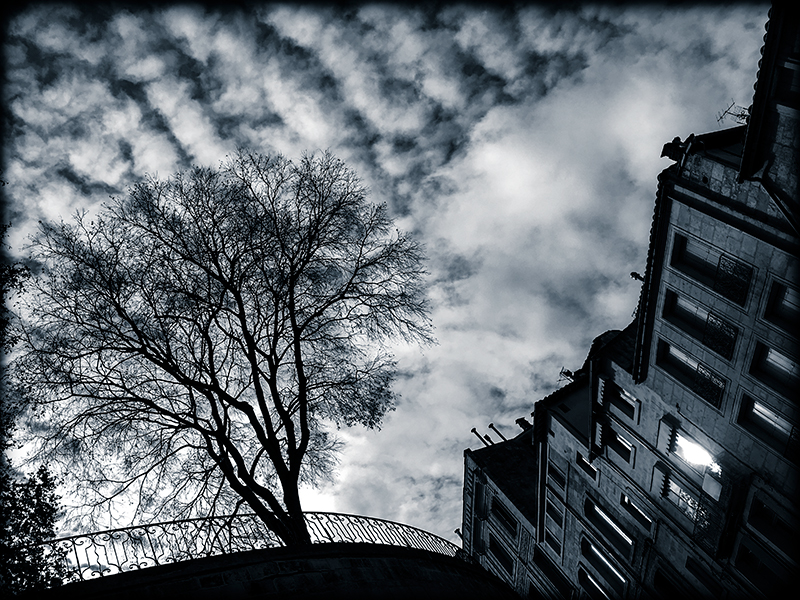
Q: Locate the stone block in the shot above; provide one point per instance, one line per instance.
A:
(260, 587)
(214, 580)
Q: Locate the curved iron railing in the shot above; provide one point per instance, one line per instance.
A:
(132, 548)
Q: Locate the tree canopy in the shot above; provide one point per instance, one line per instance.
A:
(192, 349)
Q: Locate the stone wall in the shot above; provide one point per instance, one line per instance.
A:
(330, 571)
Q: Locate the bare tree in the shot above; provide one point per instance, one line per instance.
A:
(194, 346)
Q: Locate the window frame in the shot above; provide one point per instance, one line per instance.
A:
(586, 467)
(609, 528)
(777, 311)
(603, 565)
(500, 554)
(614, 442)
(776, 431)
(598, 592)
(784, 380)
(618, 401)
(700, 323)
(503, 516)
(723, 274)
(693, 374)
(640, 516)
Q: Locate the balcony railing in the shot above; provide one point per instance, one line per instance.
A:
(108, 552)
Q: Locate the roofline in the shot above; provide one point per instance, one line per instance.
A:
(763, 85)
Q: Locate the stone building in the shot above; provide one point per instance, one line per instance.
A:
(668, 465)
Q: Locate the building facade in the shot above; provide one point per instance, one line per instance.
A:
(669, 464)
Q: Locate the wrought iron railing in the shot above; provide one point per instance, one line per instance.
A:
(132, 548)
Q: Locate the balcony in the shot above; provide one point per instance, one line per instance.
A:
(104, 553)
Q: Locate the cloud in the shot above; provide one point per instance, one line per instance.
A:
(521, 146)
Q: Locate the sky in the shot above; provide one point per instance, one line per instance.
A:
(520, 145)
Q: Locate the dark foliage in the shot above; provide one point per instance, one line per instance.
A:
(27, 520)
(28, 506)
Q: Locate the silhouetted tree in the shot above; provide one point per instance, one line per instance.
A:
(28, 518)
(28, 505)
(192, 345)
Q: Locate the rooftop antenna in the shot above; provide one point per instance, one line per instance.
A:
(566, 375)
(738, 113)
(497, 431)
(480, 437)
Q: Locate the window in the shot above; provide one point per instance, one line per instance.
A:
(504, 517)
(602, 564)
(709, 329)
(783, 307)
(665, 586)
(684, 500)
(551, 541)
(554, 513)
(635, 512)
(614, 441)
(608, 528)
(775, 369)
(727, 276)
(760, 569)
(695, 259)
(586, 466)
(498, 551)
(703, 576)
(693, 374)
(769, 426)
(620, 399)
(551, 572)
(480, 499)
(767, 521)
(691, 457)
(556, 477)
(694, 454)
(590, 585)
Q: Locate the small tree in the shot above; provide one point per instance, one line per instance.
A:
(28, 518)
(192, 345)
(28, 505)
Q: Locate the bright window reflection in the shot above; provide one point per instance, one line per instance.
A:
(694, 454)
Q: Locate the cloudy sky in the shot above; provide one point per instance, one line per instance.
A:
(520, 145)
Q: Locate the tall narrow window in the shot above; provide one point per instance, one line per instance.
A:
(725, 275)
(591, 586)
(683, 499)
(709, 329)
(502, 555)
(504, 517)
(608, 527)
(636, 512)
(554, 512)
(620, 399)
(603, 565)
(620, 446)
(586, 466)
(770, 426)
(692, 373)
(553, 542)
(556, 480)
(552, 573)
